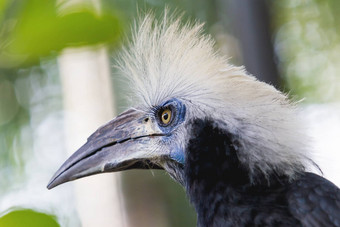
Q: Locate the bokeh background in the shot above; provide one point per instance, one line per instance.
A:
(58, 84)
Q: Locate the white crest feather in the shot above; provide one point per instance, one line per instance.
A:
(168, 60)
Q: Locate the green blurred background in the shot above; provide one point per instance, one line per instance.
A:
(304, 36)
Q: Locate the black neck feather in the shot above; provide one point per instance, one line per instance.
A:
(215, 178)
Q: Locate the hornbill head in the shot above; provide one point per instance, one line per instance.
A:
(134, 139)
(177, 77)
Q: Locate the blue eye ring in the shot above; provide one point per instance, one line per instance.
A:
(176, 113)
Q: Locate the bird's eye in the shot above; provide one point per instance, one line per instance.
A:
(169, 114)
(166, 116)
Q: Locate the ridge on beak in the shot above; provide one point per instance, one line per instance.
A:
(127, 142)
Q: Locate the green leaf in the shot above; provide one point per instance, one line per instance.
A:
(39, 28)
(27, 218)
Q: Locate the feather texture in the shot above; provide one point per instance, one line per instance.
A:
(167, 59)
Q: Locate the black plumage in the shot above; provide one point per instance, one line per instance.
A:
(222, 193)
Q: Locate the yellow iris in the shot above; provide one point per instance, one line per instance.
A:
(166, 116)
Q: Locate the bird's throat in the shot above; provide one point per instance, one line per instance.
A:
(212, 157)
(211, 163)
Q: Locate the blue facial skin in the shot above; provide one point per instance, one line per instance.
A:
(178, 155)
(178, 110)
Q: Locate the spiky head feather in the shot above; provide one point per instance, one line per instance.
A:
(169, 60)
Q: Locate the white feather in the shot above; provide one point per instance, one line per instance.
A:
(168, 60)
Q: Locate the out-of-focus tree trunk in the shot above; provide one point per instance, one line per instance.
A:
(250, 20)
(88, 102)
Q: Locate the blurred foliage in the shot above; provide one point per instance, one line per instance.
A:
(202, 10)
(27, 218)
(31, 34)
(307, 42)
(26, 97)
(36, 28)
(155, 194)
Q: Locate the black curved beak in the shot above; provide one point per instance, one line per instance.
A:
(128, 141)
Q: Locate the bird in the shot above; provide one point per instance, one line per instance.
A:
(237, 145)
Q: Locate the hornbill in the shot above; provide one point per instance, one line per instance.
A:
(236, 144)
